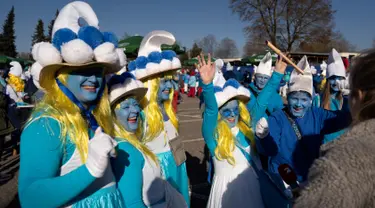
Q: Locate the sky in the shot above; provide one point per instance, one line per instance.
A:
(188, 20)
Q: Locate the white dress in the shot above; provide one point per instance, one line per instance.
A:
(235, 186)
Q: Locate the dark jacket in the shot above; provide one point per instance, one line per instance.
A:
(344, 174)
(6, 126)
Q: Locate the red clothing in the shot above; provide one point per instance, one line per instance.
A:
(199, 91)
(191, 92)
(174, 101)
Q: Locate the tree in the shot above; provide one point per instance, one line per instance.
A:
(50, 27)
(227, 49)
(38, 33)
(25, 55)
(286, 23)
(8, 38)
(208, 44)
(195, 50)
(253, 45)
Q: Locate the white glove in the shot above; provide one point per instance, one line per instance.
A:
(101, 148)
(343, 86)
(261, 128)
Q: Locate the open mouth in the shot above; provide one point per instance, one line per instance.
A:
(166, 91)
(297, 109)
(132, 119)
(90, 88)
(232, 120)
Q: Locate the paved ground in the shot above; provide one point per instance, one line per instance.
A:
(190, 132)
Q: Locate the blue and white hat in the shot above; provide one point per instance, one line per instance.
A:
(123, 86)
(151, 59)
(232, 89)
(77, 47)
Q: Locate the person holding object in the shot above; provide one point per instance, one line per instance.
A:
(294, 135)
(343, 175)
(67, 143)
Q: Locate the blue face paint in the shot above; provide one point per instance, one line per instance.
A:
(165, 88)
(86, 84)
(230, 112)
(333, 83)
(128, 114)
(318, 78)
(299, 103)
(261, 80)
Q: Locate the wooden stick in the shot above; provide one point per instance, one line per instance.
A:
(286, 59)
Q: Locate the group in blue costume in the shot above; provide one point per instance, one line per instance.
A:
(67, 144)
(262, 75)
(136, 168)
(333, 99)
(294, 135)
(155, 68)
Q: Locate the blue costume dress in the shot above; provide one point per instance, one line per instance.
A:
(233, 185)
(175, 175)
(140, 181)
(283, 146)
(53, 175)
(335, 105)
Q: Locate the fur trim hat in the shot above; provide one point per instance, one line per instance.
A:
(232, 89)
(77, 47)
(151, 60)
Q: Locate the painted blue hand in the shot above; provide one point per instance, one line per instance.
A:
(165, 88)
(128, 114)
(261, 80)
(86, 84)
(333, 83)
(230, 112)
(299, 103)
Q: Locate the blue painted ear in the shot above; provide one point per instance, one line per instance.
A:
(91, 35)
(155, 57)
(127, 75)
(168, 54)
(132, 66)
(115, 79)
(110, 37)
(232, 82)
(217, 89)
(141, 62)
(62, 36)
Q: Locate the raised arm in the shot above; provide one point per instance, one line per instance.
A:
(209, 117)
(40, 183)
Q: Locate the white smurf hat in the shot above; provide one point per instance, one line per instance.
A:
(151, 60)
(229, 67)
(77, 47)
(232, 89)
(335, 65)
(219, 79)
(123, 86)
(323, 67)
(35, 72)
(16, 69)
(301, 82)
(265, 65)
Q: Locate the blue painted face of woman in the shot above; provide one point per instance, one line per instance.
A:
(165, 89)
(230, 112)
(261, 80)
(299, 103)
(128, 114)
(333, 82)
(86, 84)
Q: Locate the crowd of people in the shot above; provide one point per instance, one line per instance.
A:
(101, 132)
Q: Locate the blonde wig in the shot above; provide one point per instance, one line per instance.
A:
(57, 105)
(16, 82)
(226, 142)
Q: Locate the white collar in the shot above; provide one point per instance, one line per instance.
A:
(235, 130)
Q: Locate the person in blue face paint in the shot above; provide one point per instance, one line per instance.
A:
(136, 168)
(333, 98)
(230, 141)
(294, 135)
(262, 76)
(67, 144)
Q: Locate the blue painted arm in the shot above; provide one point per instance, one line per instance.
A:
(269, 144)
(128, 167)
(209, 117)
(333, 121)
(258, 110)
(41, 154)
